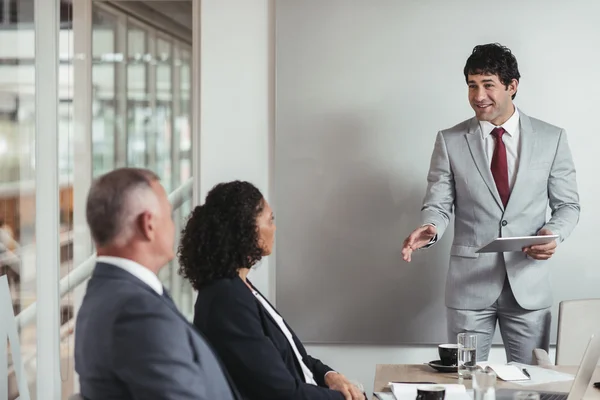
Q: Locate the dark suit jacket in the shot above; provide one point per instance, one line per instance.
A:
(132, 343)
(254, 350)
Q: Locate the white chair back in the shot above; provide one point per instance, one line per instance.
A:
(577, 321)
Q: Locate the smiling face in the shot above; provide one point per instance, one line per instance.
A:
(490, 99)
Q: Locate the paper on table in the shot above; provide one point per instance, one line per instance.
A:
(406, 391)
(506, 372)
(540, 376)
(385, 395)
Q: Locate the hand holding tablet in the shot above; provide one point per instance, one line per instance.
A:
(509, 244)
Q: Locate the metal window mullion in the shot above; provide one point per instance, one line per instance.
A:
(6, 10)
(47, 196)
(82, 107)
(175, 278)
(82, 141)
(194, 109)
(272, 95)
(175, 113)
(195, 97)
(151, 131)
(120, 93)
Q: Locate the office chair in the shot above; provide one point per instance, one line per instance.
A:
(577, 321)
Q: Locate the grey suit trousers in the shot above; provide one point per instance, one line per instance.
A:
(522, 330)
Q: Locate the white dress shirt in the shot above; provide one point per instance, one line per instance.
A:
(308, 376)
(135, 269)
(511, 139)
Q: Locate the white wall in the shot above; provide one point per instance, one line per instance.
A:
(237, 135)
(236, 101)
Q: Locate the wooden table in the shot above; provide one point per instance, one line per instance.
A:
(385, 373)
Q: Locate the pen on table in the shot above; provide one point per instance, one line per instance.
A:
(526, 373)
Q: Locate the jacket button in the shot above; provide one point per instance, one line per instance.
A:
(504, 223)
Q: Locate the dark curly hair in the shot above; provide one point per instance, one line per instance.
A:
(493, 59)
(221, 236)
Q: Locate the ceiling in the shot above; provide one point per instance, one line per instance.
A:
(173, 16)
(177, 10)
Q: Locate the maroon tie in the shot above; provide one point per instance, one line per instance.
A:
(499, 166)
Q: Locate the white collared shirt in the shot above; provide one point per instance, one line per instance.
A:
(135, 269)
(511, 139)
(308, 375)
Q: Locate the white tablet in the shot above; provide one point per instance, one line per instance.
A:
(508, 244)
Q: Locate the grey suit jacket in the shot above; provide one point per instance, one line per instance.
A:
(131, 343)
(460, 180)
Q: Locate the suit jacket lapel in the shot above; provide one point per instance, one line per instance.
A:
(260, 304)
(297, 342)
(528, 143)
(271, 317)
(475, 142)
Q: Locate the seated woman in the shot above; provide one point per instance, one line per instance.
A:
(222, 240)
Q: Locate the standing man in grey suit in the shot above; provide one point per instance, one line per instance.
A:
(498, 172)
(131, 342)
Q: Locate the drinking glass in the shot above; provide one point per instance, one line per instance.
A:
(467, 354)
(484, 385)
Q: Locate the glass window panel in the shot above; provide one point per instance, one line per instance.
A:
(139, 116)
(164, 112)
(163, 143)
(139, 113)
(104, 28)
(184, 120)
(17, 137)
(136, 41)
(136, 81)
(185, 137)
(186, 169)
(17, 163)
(164, 61)
(103, 35)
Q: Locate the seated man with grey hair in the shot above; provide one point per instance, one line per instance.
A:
(131, 342)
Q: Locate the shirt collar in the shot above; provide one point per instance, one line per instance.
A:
(135, 269)
(511, 126)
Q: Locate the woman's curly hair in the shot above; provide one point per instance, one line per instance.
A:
(221, 236)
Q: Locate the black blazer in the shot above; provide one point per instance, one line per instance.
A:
(254, 350)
